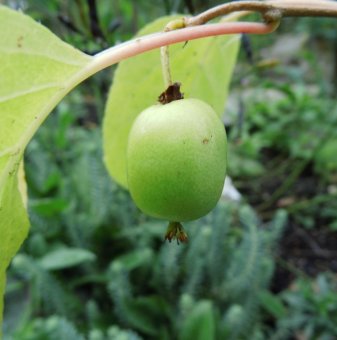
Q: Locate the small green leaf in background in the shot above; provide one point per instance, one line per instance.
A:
(325, 157)
(13, 229)
(49, 206)
(66, 258)
(36, 71)
(272, 304)
(200, 324)
(133, 259)
(203, 66)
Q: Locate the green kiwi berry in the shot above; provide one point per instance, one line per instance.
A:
(176, 160)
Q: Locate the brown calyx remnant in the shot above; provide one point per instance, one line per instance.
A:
(175, 231)
(170, 94)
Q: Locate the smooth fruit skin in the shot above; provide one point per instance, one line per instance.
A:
(176, 160)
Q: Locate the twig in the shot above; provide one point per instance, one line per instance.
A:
(288, 182)
(190, 6)
(272, 12)
(70, 25)
(94, 21)
(285, 8)
(314, 246)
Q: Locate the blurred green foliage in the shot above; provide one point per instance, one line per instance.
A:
(282, 126)
(312, 309)
(275, 124)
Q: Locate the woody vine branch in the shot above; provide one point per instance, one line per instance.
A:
(272, 11)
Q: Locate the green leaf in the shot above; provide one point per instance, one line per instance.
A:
(133, 259)
(272, 304)
(200, 324)
(13, 229)
(66, 258)
(49, 206)
(325, 157)
(147, 314)
(204, 67)
(36, 71)
(243, 166)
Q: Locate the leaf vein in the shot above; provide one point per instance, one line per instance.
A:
(34, 89)
(66, 61)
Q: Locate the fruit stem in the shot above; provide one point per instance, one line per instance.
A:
(175, 231)
(164, 52)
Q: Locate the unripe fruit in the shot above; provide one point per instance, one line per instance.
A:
(176, 160)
